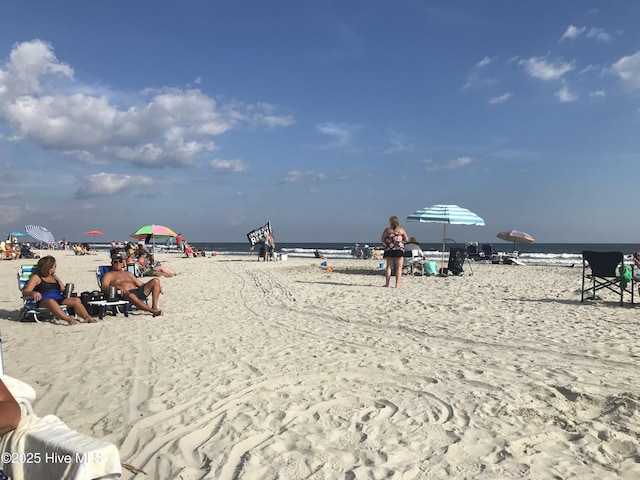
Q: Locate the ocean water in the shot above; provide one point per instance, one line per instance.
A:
(553, 254)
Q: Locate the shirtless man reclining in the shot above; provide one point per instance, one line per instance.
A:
(131, 287)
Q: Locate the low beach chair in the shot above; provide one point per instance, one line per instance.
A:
(30, 311)
(100, 271)
(366, 252)
(489, 253)
(472, 252)
(413, 262)
(133, 268)
(601, 271)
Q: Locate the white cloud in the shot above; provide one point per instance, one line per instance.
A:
(572, 32)
(539, 67)
(628, 69)
(297, 175)
(598, 93)
(484, 62)
(167, 127)
(474, 76)
(340, 133)
(227, 166)
(102, 184)
(460, 162)
(74, 122)
(85, 157)
(454, 164)
(500, 99)
(589, 69)
(600, 35)
(29, 64)
(565, 95)
(399, 143)
(264, 114)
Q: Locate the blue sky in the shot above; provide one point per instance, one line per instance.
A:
(212, 117)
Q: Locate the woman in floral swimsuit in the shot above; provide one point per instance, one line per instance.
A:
(394, 238)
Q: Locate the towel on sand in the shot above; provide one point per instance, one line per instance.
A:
(50, 449)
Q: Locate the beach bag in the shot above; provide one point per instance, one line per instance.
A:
(94, 296)
(625, 276)
(430, 268)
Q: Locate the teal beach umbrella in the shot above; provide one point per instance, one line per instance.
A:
(445, 214)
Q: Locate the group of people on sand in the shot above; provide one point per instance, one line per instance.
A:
(190, 251)
(187, 249)
(140, 262)
(46, 288)
(365, 252)
(16, 251)
(82, 249)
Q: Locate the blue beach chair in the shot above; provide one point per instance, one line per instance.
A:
(30, 311)
(101, 270)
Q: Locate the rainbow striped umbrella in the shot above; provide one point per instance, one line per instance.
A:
(151, 232)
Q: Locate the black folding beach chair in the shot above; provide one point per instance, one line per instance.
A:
(604, 274)
(457, 256)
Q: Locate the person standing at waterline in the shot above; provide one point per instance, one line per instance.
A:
(394, 238)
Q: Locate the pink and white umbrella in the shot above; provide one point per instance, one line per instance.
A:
(515, 236)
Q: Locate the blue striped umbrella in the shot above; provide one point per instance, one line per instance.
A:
(40, 233)
(446, 214)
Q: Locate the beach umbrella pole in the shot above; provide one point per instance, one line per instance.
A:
(444, 243)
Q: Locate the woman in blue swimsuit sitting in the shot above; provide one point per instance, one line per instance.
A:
(394, 237)
(46, 289)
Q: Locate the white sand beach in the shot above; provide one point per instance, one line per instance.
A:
(281, 370)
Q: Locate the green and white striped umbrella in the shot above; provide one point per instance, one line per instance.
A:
(446, 214)
(451, 214)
